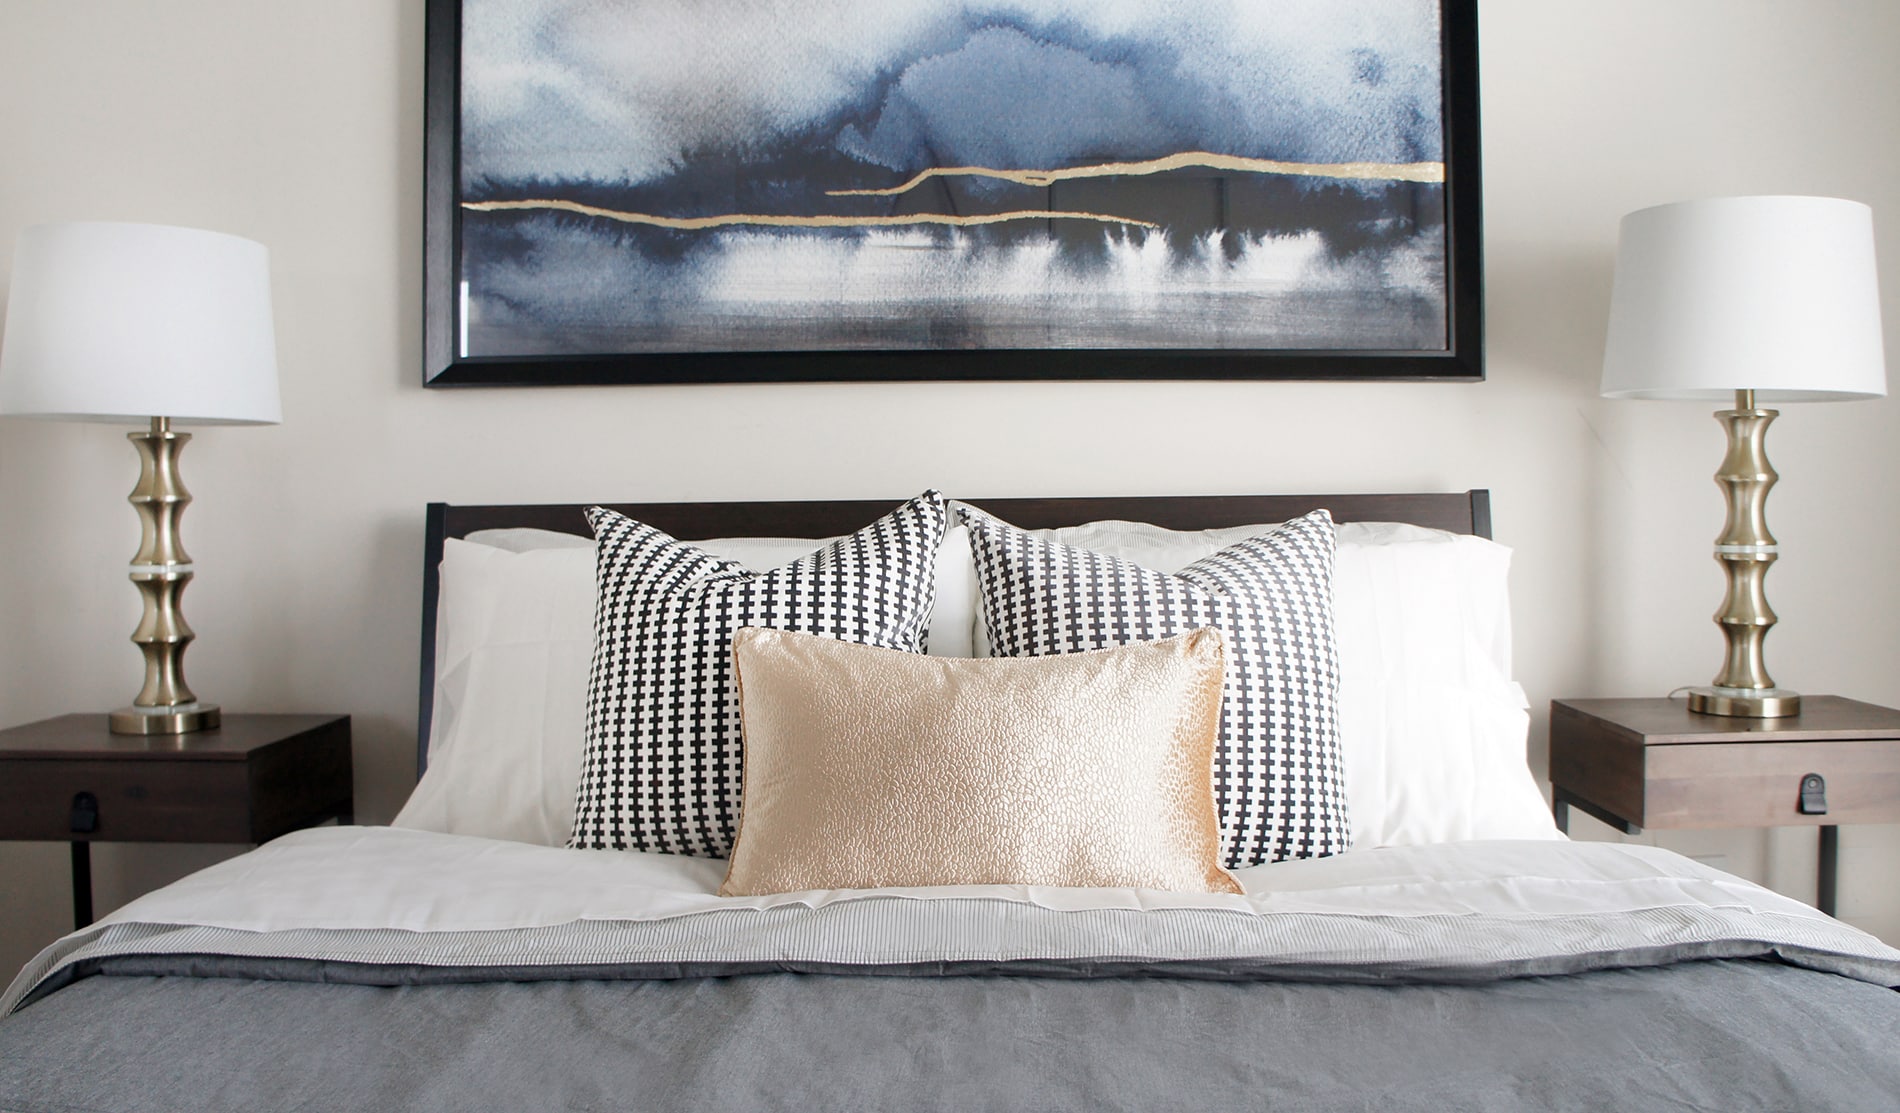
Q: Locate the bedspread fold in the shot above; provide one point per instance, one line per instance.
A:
(381, 906)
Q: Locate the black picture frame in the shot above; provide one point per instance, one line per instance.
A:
(1461, 360)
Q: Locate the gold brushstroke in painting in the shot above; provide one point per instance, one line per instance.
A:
(1430, 172)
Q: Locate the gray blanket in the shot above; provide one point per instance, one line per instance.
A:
(1723, 1035)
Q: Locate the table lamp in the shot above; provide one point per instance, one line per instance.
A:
(144, 324)
(1765, 299)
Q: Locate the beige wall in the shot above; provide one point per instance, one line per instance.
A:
(300, 125)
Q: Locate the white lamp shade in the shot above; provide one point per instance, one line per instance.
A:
(126, 322)
(1777, 295)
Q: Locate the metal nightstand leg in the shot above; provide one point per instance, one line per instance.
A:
(82, 884)
(1561, 801)
(1830, 868)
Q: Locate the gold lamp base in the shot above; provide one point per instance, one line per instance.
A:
(1744, 703)
(1745, 550)
(166, 720)
(160, 571)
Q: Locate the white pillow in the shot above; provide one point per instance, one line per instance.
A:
(1435, 731)
(514, 639)
(1432, 729)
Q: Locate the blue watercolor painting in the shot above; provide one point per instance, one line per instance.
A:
(650, 176)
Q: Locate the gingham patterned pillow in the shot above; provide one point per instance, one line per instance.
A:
(661, 769)
(1277, 775)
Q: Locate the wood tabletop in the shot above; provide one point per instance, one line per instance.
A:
(86, 736)
(1661, 722)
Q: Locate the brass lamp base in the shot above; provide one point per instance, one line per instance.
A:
(1745, 550)
(160, 570)
(166, 720)
(1743, 703)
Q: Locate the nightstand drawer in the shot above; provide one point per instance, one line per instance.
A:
(146, 801)
(1758, 784)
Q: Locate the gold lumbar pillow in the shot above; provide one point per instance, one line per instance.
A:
(868, 767)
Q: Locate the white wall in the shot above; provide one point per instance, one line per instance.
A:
(300, 125)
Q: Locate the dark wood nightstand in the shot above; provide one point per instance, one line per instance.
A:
(1636, 763)
(251, 780)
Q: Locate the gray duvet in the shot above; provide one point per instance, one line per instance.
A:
(199, 1033)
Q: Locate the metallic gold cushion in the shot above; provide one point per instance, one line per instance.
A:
(868, 767)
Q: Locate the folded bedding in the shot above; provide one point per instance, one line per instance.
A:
(383, 968)
(377, 898)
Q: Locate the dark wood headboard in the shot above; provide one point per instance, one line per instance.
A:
(1460, 512)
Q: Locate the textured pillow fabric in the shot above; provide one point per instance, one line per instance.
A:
(661, 769)
(868, 768)
(1277, 774)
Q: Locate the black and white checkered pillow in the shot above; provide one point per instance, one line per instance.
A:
(662, 766)
(1277, 772)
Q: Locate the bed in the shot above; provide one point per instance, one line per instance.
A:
(1426, 940)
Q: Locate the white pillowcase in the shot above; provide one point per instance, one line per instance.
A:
(1437, 729)
(525, 539)
(1432, 728)
(514, 640)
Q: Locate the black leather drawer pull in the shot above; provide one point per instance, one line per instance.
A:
(1813, 795)
(85, 819)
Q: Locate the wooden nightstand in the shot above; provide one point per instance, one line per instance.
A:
(1636, 763)
(254, 778)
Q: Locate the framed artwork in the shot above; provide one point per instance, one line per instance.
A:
(664, 191)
